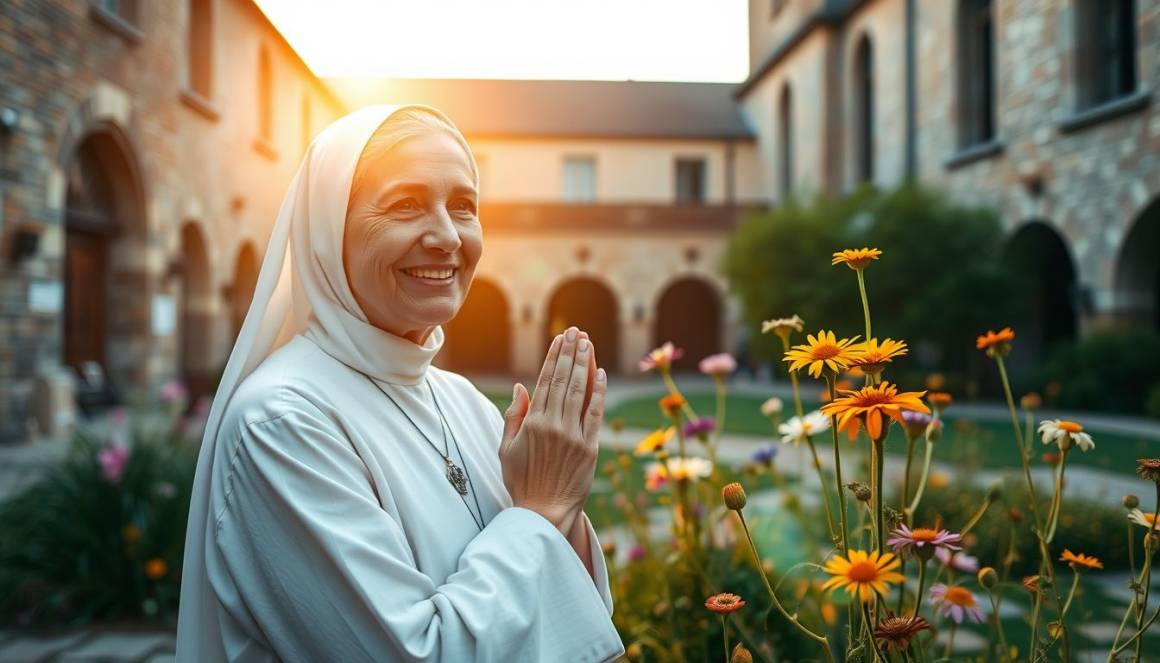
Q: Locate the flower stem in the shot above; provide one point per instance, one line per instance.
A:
(1005, 650)
(869, 622)
(1023, 452)
(865, 302)
(838, 469)
(1035, 623)
(1057, 499)
(672, 387)
(822, 485)
(921, 480)
(921, 585)
(906, 478)
(725, 634)
(879, 511)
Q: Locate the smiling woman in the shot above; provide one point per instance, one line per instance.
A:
(353, 502)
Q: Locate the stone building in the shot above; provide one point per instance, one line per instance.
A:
(144, 150)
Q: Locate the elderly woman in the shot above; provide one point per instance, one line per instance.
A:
(355, 503)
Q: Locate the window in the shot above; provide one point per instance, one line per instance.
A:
(265, 103)
(1106, 50)
(976, 80)
(200, 55)
(785, 140)
(579, 179)
(864, 110)
(690, 181)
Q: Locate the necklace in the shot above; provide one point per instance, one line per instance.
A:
(457, 476)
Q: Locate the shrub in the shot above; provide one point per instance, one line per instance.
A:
(1108, 371)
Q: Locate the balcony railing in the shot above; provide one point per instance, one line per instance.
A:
(549, 217)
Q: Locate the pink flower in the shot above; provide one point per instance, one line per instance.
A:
(959, 561)
(172, 392)
(912, 540)
(718, 365)
(112, 460)
(635, 554)
(662, 358)
(955, 602)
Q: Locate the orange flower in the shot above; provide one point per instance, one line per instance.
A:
(672, 404)
(823, 352)
(724, 604)
(874, 357)
(156, 568)
(1080, 562)
(868, 405)
(939, 399)
(996, 342)
(855, 258)
(862, 574)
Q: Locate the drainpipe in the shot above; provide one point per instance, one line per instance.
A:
(911, 157)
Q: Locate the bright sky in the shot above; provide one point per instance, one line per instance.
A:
(648, 40)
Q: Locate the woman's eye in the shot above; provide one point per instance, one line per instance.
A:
(463, 205)
(405, 205)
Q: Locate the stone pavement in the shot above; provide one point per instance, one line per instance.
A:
(88, 646)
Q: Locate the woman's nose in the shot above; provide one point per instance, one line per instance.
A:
(441, 234)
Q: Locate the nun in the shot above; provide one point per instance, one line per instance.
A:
(355, 503)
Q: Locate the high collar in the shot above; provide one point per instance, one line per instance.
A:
(377, 353)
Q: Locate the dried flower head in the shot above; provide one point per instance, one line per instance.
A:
(740, 655)
(1149, 469)
(783, 327)
(1080, 562)
(856, 259)
(895, 632)
(1130, 501)
(996, 343)
(724, 604)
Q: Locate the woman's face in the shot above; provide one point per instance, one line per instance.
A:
(412, 237)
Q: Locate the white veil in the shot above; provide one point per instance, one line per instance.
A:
(302, 285)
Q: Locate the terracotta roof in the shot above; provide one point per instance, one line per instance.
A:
(617, 109)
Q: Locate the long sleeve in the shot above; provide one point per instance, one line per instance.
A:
(304, 551)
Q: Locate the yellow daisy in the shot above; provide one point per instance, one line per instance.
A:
(862, 574)
(873, 407)
(823, 352)
(855, 258)
(874, 356)
(655, 441)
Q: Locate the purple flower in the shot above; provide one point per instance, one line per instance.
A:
(959, 561)
(764, 455)
(955, 602)
(915, 423)
(112, 460)
(909, 540)
(702, 426)
(635, 554)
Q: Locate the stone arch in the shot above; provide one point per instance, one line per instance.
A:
(196, 316)
(479, 338)
(1137, 271)
(106, 277)
(1044, 282)
(240, 291)
(591, 305)
(689, 312)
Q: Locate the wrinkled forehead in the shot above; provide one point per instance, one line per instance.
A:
(433, 157)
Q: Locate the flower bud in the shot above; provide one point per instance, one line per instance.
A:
(634, 652)
(734, 496)
(934, 431)
(1031, 401)
(861, 491)
(994, 492)
(1131, 501)
(988, 578)
(609, 548)
(741, 655)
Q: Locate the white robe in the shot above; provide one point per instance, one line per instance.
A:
(337, 537)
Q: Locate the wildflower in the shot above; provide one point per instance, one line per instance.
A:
(655, 477)
(689, 468)
(734, 496)
(764, 456)
(1149, 469)
(874, 357)
(1030, 402)
(934, 431)
(959, 561)
(823, 352)
(938, 480)
(699, 427)
(914, 540)
(954, 601)
(829, 613)
(634, 652)
(783, 327)
(156, 568)
(856, 259)
(939, 400)
(987, 577)
(654, 441)
(172, 392)
(1145, 520)
(862, 574)
(996, 343)
(895, 632)
(616, 425)
(740, 655)
(724, 604)
(113, 460)
(867, 406)
(662, 357)
(798, 429)
(671, 404)
(771, 407)
(609, 548)
(915, 423)
(1065, 434)
(1080, 562)
(1130, 502)
(1031, 584)
(718, 365)
(635, 554)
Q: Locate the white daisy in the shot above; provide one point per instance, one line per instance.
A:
(771, 406)
(1063, 433)
(1142, 519)
(797, 429)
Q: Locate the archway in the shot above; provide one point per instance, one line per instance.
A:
(241, 289)
(689, 314)
(478, 339)
(106, 285)
(195, 333)
(1044, 290)
(591, 306)
(1138, 272)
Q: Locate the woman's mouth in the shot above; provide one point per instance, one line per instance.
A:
(431, 275)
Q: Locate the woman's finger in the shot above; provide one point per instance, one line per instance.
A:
(562, 374)
(574, 395)
(594, 413)
(544, 382)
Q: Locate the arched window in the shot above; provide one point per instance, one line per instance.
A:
(976, 73)
(785, 140)
(200, 55)
(864, 110)
(1105, 50)
(265, 98)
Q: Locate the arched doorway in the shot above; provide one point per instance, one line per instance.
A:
(478, 339)
(241, 289)
(864, 110)
(195, 333)
(1138, 272)
(591, 306)
(106, 286)
(1044, 290)
(689, 314)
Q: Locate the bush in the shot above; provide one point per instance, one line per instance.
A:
(938, 286)
(1107, 371)
(101, 535)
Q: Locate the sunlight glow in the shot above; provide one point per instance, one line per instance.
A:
(656, 40)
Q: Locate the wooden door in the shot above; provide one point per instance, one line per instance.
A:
(85, 298)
